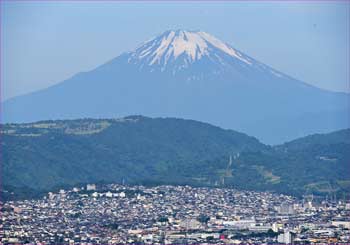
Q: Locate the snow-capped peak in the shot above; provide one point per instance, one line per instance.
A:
(191, 45)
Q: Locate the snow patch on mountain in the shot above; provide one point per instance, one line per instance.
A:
(193, 53)
(185, 48)
(224, 47)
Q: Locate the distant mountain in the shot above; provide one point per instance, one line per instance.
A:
(191, 75)
(139, 150)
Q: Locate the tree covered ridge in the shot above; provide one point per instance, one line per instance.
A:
(142, 150)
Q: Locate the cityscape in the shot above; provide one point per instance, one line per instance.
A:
(115, 214)
(174, 122)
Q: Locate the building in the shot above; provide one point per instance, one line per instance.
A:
(341, 224)
(90, 187)
(286, 237)
(286, 208)
(241, 224)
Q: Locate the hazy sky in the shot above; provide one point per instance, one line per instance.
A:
(43, 43)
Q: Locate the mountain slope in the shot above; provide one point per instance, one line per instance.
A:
(47, 154)
(190, 75)
(316, 164)
(333, 138)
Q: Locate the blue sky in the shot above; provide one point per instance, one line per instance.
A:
(43, 43)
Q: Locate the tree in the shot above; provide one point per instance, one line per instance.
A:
(203, 218)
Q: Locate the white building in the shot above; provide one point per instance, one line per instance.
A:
(275, 227)
(286, 208)
(286, 238)
(260, 228)
(90, 187)
(341, 224)
(109, 194)
(242, 224)
(347, 206)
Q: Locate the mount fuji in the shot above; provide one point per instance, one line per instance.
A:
(193, 75)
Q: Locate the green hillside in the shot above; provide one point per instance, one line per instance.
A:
(44, 155)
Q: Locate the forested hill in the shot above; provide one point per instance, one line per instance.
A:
(139, 150)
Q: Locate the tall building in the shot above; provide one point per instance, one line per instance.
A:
(287, 237)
